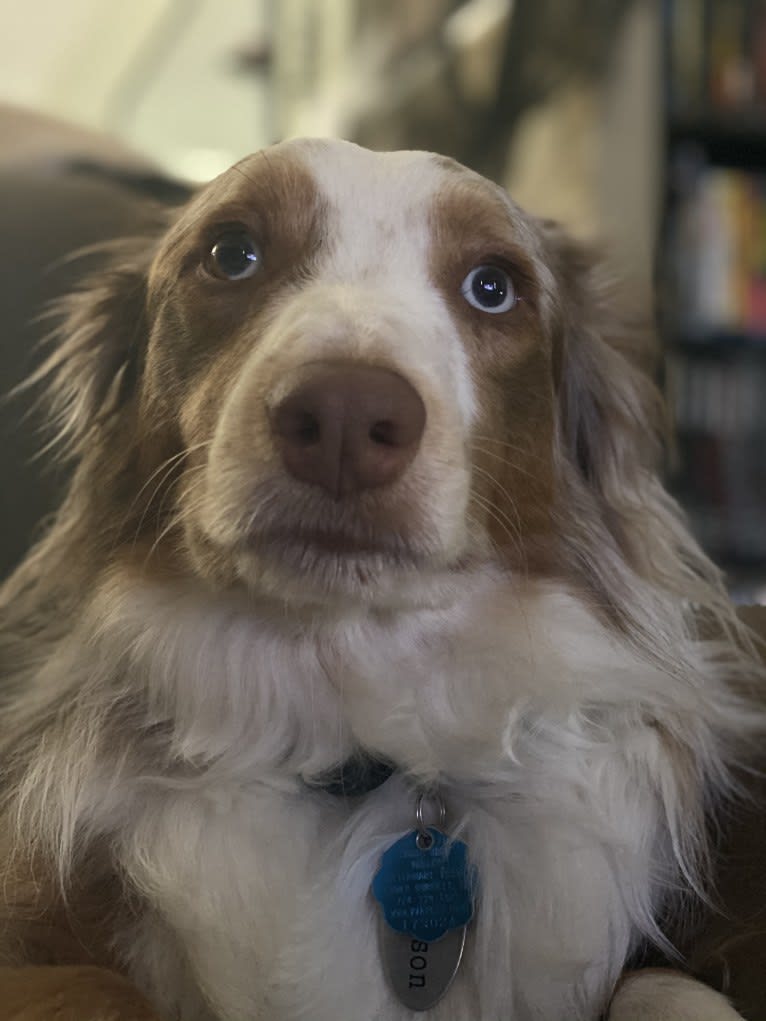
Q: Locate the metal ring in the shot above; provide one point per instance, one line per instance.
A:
(420, 821)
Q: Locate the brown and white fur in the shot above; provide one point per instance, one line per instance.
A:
(519, 617)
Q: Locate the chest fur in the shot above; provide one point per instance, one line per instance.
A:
(260, 887)
(267, 894)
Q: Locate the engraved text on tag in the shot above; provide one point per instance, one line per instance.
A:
(420, 973)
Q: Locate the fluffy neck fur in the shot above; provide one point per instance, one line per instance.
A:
(578, 773)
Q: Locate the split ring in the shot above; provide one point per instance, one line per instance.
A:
(424, 839)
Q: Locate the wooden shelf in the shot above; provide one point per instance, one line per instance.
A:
(737, 138)
(718, 345)
(748, 122)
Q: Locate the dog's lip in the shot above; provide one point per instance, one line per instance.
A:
(335, 542)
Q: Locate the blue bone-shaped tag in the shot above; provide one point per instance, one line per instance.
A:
(425, 892)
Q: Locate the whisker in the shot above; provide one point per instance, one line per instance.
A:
(167, 467)
(188, 473)
(510, 502)
(189, 508)
(503, 521)
(503, 460)
(165, 464)
(493, 441)
(193, 503)
(174, 521)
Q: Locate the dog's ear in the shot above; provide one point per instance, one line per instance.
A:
(622, 532)
(623, 536)
(97, 346)
(612, 415)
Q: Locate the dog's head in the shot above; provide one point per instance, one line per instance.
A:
(346, 374)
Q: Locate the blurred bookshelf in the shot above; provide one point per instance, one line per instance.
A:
(713, 275)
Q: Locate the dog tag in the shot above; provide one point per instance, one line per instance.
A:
(420, 973)
(424, 885)
(425, 889)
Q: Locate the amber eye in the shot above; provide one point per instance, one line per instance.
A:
(490, 289)
(234, 256)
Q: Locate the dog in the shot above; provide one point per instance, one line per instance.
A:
(365, 543)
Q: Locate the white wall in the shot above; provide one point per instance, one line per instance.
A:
(591, 155)
(97, 62)
(630, 177)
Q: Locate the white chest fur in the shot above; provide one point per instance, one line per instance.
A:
(268, 894)
(545, 755)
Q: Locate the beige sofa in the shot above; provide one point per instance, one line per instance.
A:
(61, 189)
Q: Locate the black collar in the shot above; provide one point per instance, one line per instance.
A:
(358, 775)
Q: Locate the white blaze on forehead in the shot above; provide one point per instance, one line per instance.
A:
(379, 237)
(379, 206)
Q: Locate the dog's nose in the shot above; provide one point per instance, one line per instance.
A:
(348, 428)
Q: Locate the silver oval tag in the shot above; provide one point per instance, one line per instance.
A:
(420, 973)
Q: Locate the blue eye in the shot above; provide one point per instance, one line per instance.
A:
(234, 256)
(490, 289)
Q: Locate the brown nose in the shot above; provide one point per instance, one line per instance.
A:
(348, 428)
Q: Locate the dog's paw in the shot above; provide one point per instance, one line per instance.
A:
(70, 994)
(659, 995)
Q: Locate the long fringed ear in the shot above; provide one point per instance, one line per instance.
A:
(623, 533)
(612, 416)
(612, 413)
(97, 347)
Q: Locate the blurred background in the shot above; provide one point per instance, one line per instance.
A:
(639, 123)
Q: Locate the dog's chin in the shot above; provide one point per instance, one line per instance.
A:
(337, 570)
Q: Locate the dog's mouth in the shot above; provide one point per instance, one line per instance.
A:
(298, 543)
(315, 544)
(306, 564)
(386, 562)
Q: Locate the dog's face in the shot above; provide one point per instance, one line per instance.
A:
(352, 348)
(351, 375)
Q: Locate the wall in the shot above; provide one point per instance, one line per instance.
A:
(160, 73)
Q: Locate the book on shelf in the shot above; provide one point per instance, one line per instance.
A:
(717, 55)
(718, 241)
(720, 418)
